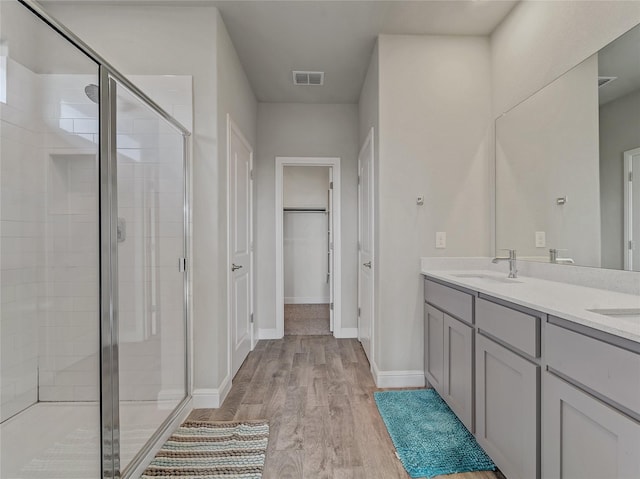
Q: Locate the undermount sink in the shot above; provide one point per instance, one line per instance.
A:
(629, 314)
(495, 279)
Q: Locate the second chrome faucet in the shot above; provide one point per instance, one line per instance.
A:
(513, 272)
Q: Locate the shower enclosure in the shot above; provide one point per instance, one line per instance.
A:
(93, 228)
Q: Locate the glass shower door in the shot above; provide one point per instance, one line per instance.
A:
(151, 277)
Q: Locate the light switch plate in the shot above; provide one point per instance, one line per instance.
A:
(541, 239)
(441, 240)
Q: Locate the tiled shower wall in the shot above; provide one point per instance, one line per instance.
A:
(22, 259)
(69, 339)
(49, 262)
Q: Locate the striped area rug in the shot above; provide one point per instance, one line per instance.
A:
(212, 450)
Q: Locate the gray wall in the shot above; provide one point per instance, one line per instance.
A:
(306, 243)
(297, 129)
(305, 186)
(619, 132)
(435, 110)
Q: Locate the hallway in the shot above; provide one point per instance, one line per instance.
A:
(317, 393)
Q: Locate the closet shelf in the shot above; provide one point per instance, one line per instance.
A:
(304, 210)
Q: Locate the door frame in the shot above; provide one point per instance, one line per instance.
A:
(232, 126)
(368, 139)
(628, 207)
(334, 163)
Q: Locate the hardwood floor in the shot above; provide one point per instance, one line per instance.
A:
(317, 393)
(306, 319)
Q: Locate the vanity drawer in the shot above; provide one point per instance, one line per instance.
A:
(602, 367)
(518, 329)
(454, 302)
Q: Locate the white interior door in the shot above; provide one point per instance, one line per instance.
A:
(330, 259)
(240, 245)
(632, 210)
(366, 241)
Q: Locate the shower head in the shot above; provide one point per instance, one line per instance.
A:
(92, 92)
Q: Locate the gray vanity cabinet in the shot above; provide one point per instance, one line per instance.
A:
(434, 347)
(507, 387)
(584, 437)
(448, 352)
(580, 418)
(507, 408)
(591, 405)
(448, 361)
(458, 369)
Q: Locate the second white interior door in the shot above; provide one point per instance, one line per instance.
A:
(366, 266)
(240, 245)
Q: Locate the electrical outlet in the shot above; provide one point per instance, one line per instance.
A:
(441, 239)
(541, 239)
(420, 200)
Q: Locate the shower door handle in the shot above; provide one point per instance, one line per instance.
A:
(235, 267)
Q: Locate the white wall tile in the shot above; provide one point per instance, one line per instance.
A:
(48, 242)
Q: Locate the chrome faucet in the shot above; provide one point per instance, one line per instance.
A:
(513, 272)
(555, 258)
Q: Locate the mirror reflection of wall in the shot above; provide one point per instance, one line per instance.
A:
(547, 149)
(560, 168)
(619, 132)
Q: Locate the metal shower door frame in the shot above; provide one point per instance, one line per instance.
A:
(109, 80)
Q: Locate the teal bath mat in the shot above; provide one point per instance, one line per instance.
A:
(429, 439)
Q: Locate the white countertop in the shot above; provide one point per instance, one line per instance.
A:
(564, 300)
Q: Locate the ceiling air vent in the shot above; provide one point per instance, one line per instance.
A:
(308, 78)
(602, 81)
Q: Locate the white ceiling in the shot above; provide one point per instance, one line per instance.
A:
(274, 37)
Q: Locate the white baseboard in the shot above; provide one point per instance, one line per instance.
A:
(269, 334)
(307, 300)
(273, 333)
(211, 398)
(167, 398)
(346, 333)
(179, 419)
(397, 379)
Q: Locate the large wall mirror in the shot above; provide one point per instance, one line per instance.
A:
(565, 164)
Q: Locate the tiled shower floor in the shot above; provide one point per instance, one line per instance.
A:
(62, 440)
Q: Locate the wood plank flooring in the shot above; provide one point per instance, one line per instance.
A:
(317, 393)
(306, 319)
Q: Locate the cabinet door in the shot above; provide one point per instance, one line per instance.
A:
(507, 409)
(434, 351)
(458, 372)
(584, 437)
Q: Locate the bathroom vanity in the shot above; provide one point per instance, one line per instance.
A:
(546, 375)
